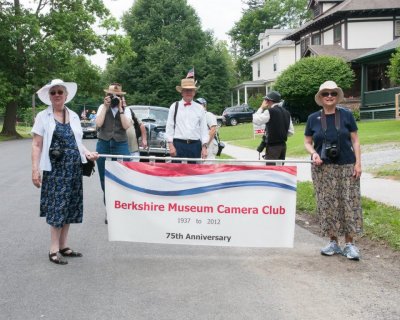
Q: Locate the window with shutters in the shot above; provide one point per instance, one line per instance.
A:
(397, 28)
(316, 39)
(337, 34)
(275, 62)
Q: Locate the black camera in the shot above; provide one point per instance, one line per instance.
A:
(114, 100)
(262, 145)
(55, 153)
(330, 151)
(221, 145)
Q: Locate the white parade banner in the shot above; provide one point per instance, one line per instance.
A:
(201, 204)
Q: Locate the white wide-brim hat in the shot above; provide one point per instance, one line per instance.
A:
(43, 93)
(331, 86)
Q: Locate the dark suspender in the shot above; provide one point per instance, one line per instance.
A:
(176, 111)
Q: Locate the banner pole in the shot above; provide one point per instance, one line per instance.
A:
(170, 159)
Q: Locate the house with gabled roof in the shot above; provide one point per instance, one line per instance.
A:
(275, 55)
(350, 29)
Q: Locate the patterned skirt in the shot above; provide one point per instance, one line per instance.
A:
(338, 199)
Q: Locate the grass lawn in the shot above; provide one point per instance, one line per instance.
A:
(23, 130)
(370, 132)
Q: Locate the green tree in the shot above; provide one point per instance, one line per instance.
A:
(40, 44)
(299, 83)
(394, 67)
(167, 40)
(261, 15)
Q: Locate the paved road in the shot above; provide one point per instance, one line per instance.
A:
(119, 280)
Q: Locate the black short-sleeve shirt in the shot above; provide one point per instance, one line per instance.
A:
(342, 138)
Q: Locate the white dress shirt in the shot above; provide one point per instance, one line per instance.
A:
(191, 123)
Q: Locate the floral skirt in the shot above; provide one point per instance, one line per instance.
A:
(62, 191)
(338, 199)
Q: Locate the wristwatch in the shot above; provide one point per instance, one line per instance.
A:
(204, 145)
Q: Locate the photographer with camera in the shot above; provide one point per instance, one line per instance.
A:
(278, 126)
(332, 140)
(112, 122)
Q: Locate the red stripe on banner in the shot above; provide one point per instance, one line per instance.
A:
(184, 169)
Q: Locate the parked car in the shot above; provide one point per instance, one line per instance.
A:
(89, 129)
(238, 114)
(220, 120)
(155, 119)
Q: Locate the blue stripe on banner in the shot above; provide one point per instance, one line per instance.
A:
(204, 189)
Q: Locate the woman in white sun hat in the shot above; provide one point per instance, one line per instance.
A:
(332, 140)
(57, 150)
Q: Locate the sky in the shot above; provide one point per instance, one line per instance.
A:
(216, 15)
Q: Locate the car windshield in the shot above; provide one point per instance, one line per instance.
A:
(88, 124)
(159, 116)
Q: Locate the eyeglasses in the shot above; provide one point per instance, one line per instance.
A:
(327, 94)
(59, 92)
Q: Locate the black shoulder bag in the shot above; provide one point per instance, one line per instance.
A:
(88, 168)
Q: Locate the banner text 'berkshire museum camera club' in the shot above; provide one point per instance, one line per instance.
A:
(218, 205)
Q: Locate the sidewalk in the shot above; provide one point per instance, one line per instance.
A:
(383, 190)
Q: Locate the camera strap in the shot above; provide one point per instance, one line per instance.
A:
(337, 120)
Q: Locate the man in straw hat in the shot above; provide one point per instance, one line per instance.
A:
(186, 130)
(112, 120)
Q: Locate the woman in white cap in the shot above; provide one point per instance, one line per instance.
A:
(57, 150)
(332, 140)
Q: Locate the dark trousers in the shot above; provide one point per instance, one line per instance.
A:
(275, 152)
(109, 147)
(187, 150)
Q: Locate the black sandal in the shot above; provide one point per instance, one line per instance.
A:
(67, 252)
(55, 258)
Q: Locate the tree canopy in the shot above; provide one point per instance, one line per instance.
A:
(261, 15)
(394, 67)
(299, 83)
(167, 40)
(47, 42)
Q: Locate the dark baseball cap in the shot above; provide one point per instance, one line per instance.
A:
(273, 96)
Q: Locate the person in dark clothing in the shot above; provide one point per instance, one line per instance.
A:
(278, 125)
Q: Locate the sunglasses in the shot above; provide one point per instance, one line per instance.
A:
(327, 94)
(59, 92)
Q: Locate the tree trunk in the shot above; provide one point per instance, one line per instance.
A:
(10, 120)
